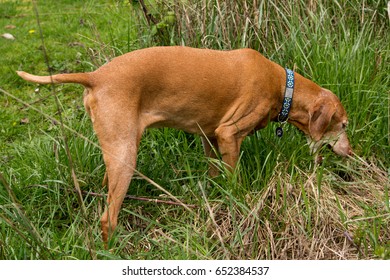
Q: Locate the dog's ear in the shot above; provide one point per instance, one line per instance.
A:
(320, 118)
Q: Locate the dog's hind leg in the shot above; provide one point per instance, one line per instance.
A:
(119, 134)
(120, 159)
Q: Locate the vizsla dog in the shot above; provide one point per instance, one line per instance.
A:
(221, 95)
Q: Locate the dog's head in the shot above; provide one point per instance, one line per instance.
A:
(327, 124)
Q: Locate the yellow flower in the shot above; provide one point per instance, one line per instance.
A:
(31, 31)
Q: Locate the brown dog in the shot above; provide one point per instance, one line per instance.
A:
(221, 95)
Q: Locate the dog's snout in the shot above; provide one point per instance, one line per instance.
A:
(342, 146)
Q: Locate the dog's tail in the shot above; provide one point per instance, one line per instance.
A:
(84, 79)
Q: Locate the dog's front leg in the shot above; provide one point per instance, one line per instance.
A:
(229, 145)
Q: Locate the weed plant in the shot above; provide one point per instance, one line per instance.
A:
(278, 205)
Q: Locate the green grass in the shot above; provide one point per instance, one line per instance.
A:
(279, 204)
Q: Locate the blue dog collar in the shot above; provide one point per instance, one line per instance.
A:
(287, 101)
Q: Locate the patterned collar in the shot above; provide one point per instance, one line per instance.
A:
(287, 101)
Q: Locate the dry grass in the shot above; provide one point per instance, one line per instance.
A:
(286, 220)
(302, 223)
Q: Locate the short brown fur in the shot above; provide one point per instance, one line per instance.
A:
(221, 95)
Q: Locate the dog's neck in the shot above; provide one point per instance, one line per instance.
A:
(299, 114)
(288, 96)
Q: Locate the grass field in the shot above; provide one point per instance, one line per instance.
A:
(278, 205)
